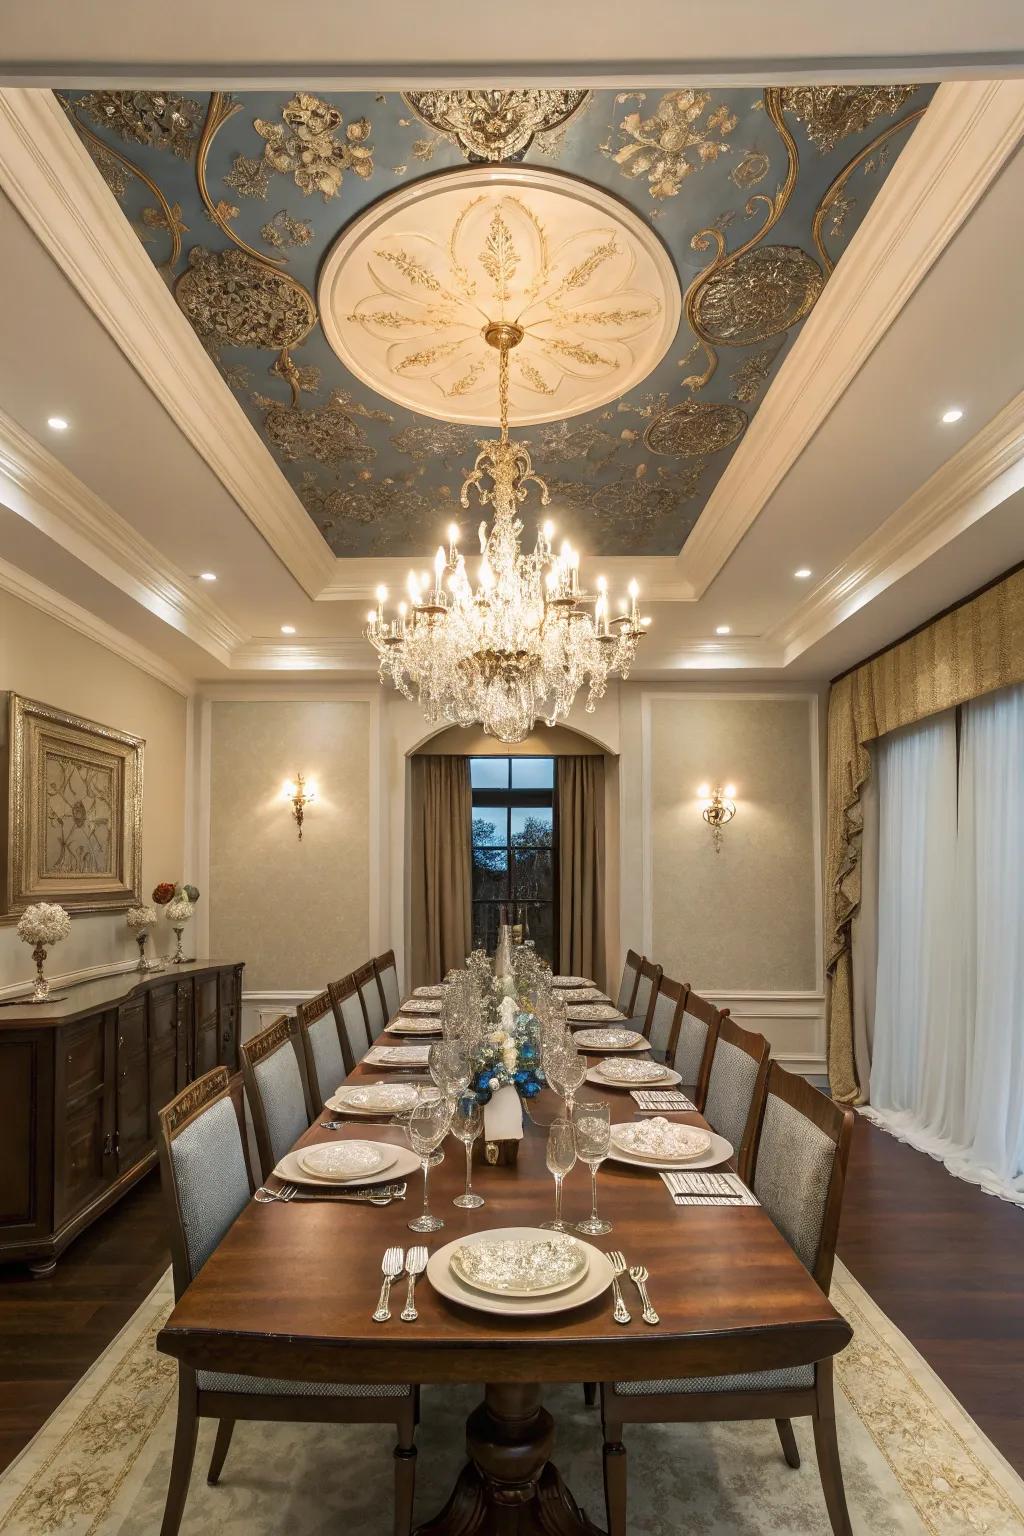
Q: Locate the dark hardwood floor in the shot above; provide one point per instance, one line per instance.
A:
(946, 1263)
(54, 1328)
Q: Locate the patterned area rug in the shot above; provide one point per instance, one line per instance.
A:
(914, 1461)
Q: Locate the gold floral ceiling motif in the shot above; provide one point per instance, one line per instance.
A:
(672, 143)
(494, 125)
(329, 433)
(435, 440)
(304, 145)
(832, 113)
(284, 232)
(695, 429)
(758, 295)
(408, 291)
(160, 119)
(235, 299)
(838, 204)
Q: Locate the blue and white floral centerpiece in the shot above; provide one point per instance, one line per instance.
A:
(506, 1047)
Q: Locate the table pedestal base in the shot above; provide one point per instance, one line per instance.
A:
(509, 1487)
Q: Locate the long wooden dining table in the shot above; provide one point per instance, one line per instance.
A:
(291, 1289)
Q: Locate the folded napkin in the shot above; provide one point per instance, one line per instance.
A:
(663, 1100)
(697, 1186)
(397, 1055)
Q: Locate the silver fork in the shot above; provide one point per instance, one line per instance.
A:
(391, 1265)
(415, 1264)
(639, 1276)
(618, 1263)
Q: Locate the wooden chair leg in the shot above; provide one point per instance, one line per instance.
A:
(614, 1479)
(789, 1446)
(827, 1447)
(225, 1428)
(590, 1393)
(185, 1431)
(405, 1470)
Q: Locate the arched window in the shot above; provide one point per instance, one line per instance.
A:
(515, 849)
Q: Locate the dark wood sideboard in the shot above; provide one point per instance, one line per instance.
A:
(82, 1081)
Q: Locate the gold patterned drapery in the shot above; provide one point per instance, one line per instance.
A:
(971, 651)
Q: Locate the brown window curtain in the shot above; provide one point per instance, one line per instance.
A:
(579, 784)
(440, 869)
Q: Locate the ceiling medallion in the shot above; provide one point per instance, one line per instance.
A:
(238, 300)
(695, 428)
(407, 292)
(520, 645)
(832, 112)
(757, 295)
(494, 125)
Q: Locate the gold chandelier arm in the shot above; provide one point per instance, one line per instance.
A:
(503, 389)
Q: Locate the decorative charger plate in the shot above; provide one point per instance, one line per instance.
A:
(571, 981)
(628, 1072)
(609, 1040)
(404, 1026)
(594, 1013)
(428, 991)
(342, 1161)
(405, 1164)
(374, 1099)
(521, 1266)
(585, 995)
(421, 1005)
(397, 1056)
(446, 1283)
(662, 1141)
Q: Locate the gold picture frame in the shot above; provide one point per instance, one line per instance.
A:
(72, 813)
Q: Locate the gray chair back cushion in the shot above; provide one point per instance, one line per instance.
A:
(643, 997)
(389, 981)
(661, 1024)
(328, 1062)
(279, 1082)
(730, 1091)
(791, 1180)
(374, 1007)
(211, 1179)
(355, 1029)
(693, 1037)
(625, 987)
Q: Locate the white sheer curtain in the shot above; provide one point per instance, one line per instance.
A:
(947, 1071)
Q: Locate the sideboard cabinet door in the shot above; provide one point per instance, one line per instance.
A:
(207, 1044)
(163, 1051)
(131, 1132)
(84, 1104)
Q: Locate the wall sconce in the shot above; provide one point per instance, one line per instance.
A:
(718, 807)
(300, 794)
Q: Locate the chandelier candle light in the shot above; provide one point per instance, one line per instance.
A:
(521, 645)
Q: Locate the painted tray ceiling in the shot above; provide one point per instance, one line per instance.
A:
(239, 200)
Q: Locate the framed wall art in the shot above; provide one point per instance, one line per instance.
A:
(72, 811)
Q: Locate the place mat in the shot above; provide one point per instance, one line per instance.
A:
(691, 1187)
(660, 1099)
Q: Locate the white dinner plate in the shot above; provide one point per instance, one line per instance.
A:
(399, 1097)
(396, 1056)
(595, 1075)
(406, 1163)
(721, 1151)
(343, 1162)
(594, 1283)
(599, 1047)
(595, 1013)
(406, 1026)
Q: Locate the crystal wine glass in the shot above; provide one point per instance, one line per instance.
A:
(561, 1159)
(428, 1126)
(448, 1065)
(467, 1123)
(574, 1072)
(592, 1123)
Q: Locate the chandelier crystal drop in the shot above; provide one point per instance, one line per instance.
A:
(519, 646)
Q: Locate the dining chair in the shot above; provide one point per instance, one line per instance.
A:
(799, 1174)
(646, 988)
(693, 1048)
(735, 1091)
(320, 1038)
(663, 1015)
(206, 1186)
(278, 1096)
(348, 1011)
(387, 980)
(372, 999)
(628, 985)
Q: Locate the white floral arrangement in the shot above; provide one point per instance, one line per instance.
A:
(140, 917)
(179, 910)
(45, 923)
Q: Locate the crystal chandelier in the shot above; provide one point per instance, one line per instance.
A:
(520, 645)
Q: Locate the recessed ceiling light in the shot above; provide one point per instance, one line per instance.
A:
(953, 414)
(287, 629)
(723, 629)
(803, 573)
(56, 423)
(207, 576)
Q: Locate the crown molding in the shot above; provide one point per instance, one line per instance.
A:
(977, 479)
(39, 488)
(956, 150)
(327, 655)
(56, 606)
(56, 188)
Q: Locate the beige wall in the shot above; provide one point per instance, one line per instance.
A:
(43, 659)
(296, 912)
(549, 741)
(744, 919)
